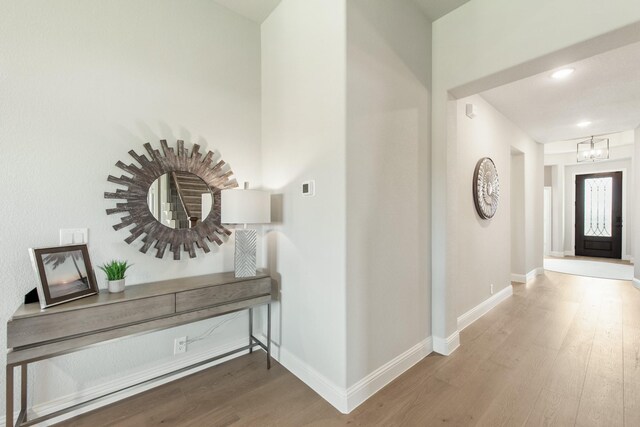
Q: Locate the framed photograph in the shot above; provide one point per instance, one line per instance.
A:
(64, 274)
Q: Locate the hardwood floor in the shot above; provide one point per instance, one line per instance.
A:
(564, 350)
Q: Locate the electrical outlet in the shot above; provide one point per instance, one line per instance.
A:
(491, 287)
(180, 345)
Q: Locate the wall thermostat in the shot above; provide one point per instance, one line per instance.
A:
(309, 188)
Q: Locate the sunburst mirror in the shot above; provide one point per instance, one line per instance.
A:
(172, 199)
(486, 188)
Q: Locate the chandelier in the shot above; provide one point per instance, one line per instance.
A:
(592, 150)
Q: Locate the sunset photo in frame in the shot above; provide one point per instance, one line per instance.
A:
(64, 273)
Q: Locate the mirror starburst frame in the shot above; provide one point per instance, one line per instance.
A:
(217, 176)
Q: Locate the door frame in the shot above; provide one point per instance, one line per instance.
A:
(548, 208)
(625, 255)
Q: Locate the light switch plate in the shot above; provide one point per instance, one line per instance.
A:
(309, 188)
(74, 236)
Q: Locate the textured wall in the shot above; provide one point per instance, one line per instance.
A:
(83, 82)
(303, 131)
(388, 211)
(484, 246)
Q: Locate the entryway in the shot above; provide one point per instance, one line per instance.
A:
(598, 225)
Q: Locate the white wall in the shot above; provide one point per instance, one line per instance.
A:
(303, 133)
(484, 246)
(635, 200)
(388, 147)
(83, 83)
(516, 213)
(470, 54)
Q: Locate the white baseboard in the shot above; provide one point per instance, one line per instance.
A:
(525, 278)
(375, 381)
(636, 283)
(569, 253)
(534, 273)
(346, 400)
(128, 380)
(628, 258)
(557, 254)
(483, 308)
(518, 278)
(327, 389)
(448, 345)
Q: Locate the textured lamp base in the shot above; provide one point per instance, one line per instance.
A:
(245, 257)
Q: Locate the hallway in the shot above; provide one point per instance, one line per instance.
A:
(563, 350)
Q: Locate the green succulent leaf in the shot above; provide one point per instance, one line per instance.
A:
(115, 270)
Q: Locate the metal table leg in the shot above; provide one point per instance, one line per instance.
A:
(23, 393)
(251, 330)
(269, 336)
(9, 396)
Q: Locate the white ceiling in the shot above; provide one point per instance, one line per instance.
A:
(604, 89)
(259, 10)
(615, 140)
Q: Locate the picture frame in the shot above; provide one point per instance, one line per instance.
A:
(63, 273)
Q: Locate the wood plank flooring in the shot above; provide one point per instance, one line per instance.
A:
(564, 350)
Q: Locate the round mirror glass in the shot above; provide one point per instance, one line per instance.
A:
(179, 200)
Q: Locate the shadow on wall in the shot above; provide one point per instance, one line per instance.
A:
(386, 26)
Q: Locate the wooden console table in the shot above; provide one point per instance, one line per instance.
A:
(34, 334)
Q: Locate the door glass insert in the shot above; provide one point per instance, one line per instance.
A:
(597, 206)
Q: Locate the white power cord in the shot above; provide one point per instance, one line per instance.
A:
(211, 330)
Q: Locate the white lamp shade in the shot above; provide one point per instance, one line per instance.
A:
(246, 207)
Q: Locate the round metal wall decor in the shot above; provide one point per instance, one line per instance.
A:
(216, 176)
(486, 188)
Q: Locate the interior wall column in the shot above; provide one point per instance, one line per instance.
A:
(636, 202)
(443, 196)
(557, 219)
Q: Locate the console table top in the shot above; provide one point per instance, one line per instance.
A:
(134, 292)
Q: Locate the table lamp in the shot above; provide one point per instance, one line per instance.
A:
(245, 207)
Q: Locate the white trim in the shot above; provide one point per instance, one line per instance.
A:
(346, 400)
(636, 283)
(569, 253)
(446, 346)
(548, 229)
(525, 278)
(327, 389)
(484, 307)
(375, 381)
(177, 362)
(534, 273)
(518, 278)
(557, 254)
(332, 393)
(628, 258)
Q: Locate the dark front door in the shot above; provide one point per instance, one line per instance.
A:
(599, 215)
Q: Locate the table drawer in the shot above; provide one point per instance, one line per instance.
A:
(214, 295)
(32, 330)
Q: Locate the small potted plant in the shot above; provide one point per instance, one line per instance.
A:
(115, 271)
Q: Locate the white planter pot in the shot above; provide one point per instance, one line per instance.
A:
(116, 286)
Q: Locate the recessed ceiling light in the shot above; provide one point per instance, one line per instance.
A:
(562, 73)
(584, 124)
